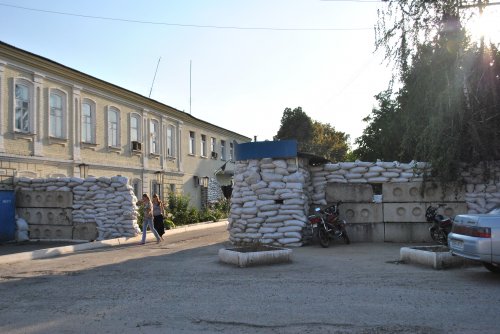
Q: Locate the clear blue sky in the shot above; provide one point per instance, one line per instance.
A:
(242, 79)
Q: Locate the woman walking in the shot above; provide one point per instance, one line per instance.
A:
(158, 209)
(148, 219)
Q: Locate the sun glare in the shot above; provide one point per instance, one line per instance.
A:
(485, 26)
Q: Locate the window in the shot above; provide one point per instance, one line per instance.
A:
(136, 185)
(154, 134)
(172, 188)
(23, 106)
(170, 141)
(88, 121)
(113, 127)
(57, 114)
(223, 150)
(203, 145)
(135, 128)
(191, 143)
(213, 144)
(231, 151)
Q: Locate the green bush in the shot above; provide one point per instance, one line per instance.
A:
(140, 217)
(179, 211)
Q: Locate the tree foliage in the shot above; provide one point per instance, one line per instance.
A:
(381, 139)
(447, 110)
(329, 143)
(312, 136)
(295, 124)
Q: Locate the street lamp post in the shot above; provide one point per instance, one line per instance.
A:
(159, 182)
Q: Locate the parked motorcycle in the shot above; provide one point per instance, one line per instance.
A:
(328, 226)
(441, 225)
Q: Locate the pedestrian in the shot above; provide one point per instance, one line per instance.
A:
(148, 219)
(158, 209)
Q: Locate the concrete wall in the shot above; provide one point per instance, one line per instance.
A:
(48, 214)
(75, 208)
(399, 217)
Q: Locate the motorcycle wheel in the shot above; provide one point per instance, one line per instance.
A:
(346, 238)
(434, 234)
(443, 238)
(324, 238)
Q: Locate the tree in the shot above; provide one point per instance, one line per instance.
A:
(381, 139)
(312, 136)
(295, 124)
(329, 143)
(448, 107)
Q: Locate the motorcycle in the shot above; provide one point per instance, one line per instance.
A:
(441, 225)
(328, 226)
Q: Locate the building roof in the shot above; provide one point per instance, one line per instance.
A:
(39, 62)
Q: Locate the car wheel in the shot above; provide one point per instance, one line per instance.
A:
(492, 267)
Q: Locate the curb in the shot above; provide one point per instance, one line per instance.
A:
(57, 251)
(428, 256)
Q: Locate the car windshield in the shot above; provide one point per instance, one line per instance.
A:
(494, 211)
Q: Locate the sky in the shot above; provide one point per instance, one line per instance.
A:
(233, 63)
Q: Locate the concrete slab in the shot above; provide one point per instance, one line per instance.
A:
(419, 192)
(404, 212)
(349, 192)
(85, 231)
(251, 256)
(46, 216)
(407, 232)
(51, 232)
(437, 257)
(44, 199)
(361, 212)
(365, 232)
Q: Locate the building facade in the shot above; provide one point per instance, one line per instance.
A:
(58, 122)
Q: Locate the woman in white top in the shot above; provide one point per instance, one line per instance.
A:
(148, 219)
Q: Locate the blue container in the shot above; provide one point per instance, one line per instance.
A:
(7, 216)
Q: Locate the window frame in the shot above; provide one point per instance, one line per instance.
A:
(137, 117)
(203, 141)
(154, 136)
(57, 123)
(170, 140)
(136, 187)
(213, 144)
(223, 149)
(192, 143)
(92, 125)
(30, 128)
(109, 139)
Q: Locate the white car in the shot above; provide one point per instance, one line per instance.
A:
(477, 237)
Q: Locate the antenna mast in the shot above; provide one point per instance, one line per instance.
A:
(190, 66)
(156, 71)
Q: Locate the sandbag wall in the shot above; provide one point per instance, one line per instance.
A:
(482, 182)
(269, 202)
(482, 186)
(214, 191)
(363, 172)
(106, 203)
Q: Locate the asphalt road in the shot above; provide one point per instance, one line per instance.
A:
(179, 286)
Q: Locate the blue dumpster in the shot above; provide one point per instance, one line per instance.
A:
(7, 215)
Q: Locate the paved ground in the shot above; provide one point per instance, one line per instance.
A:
(7, 248)
(181, 287)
